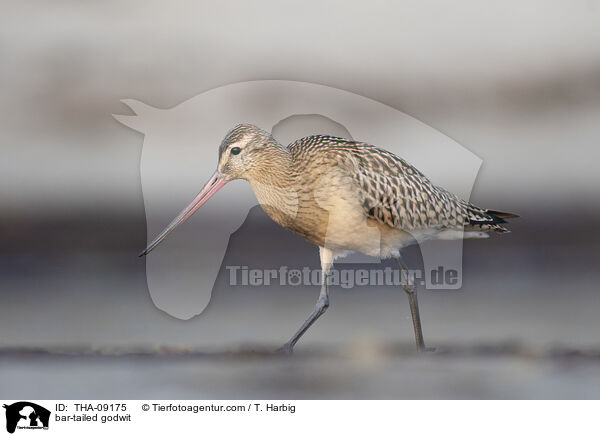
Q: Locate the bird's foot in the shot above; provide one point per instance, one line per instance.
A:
(426, 350)
(286, 348)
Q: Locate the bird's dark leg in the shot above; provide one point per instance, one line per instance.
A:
(322, 302)
(411, 291)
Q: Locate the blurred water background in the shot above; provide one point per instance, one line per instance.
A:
(517, 83)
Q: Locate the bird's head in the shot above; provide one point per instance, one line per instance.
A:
(245, 153)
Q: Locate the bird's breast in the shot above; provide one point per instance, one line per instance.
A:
(293, 207)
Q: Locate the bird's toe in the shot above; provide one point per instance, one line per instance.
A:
(286, 348)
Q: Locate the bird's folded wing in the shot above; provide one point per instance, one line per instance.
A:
(395, 193)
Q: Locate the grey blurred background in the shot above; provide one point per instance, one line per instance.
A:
(517, 83)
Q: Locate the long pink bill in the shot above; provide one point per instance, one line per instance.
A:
(215, 183)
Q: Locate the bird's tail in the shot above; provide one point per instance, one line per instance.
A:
(488, 219)
(501, 215)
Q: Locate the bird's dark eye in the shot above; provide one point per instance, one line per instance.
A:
(236, 150)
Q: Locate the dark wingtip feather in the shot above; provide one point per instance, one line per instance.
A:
(501, 215)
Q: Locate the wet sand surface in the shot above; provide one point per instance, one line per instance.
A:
(501, 371)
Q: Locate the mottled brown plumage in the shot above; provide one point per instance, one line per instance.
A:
(303, 185)
(392, 191)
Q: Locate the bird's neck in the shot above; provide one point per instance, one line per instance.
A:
(273, 182)
(273, 167)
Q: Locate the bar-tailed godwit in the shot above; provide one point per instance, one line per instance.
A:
(343, 196)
